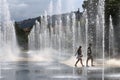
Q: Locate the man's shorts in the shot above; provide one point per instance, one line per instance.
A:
(90, 56)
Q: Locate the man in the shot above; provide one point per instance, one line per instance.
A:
(89, 55)
(79, 56)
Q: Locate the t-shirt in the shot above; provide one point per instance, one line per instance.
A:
(89, 51)
(79, 51)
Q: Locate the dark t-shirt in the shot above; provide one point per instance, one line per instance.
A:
(89, 52)
(79, 51)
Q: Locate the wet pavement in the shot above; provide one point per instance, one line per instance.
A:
(24, 70)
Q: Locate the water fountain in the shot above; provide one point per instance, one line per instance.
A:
(64, 38)
(98, 37)
(101, 21)
(86, 33)
(111, 40)
(8, 44)
(58, 35)
(57, 38)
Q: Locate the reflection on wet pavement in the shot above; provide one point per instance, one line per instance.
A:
(54, 71)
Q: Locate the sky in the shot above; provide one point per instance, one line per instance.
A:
(24, 9)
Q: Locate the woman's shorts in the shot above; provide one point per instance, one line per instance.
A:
(79, 56)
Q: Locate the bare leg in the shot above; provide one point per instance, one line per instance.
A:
(81, 62)
(92, 61)
(87, 61)
(76, 62)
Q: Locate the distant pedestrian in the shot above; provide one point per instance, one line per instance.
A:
(79, 56)
(78, 15)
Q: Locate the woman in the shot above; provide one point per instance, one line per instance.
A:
(79, 56)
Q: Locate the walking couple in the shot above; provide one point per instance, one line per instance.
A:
(89, 55)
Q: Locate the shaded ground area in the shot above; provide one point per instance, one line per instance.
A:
(24, 70)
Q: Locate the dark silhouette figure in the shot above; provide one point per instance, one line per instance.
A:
(89, 55)
(78, 15)
(79, 56)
